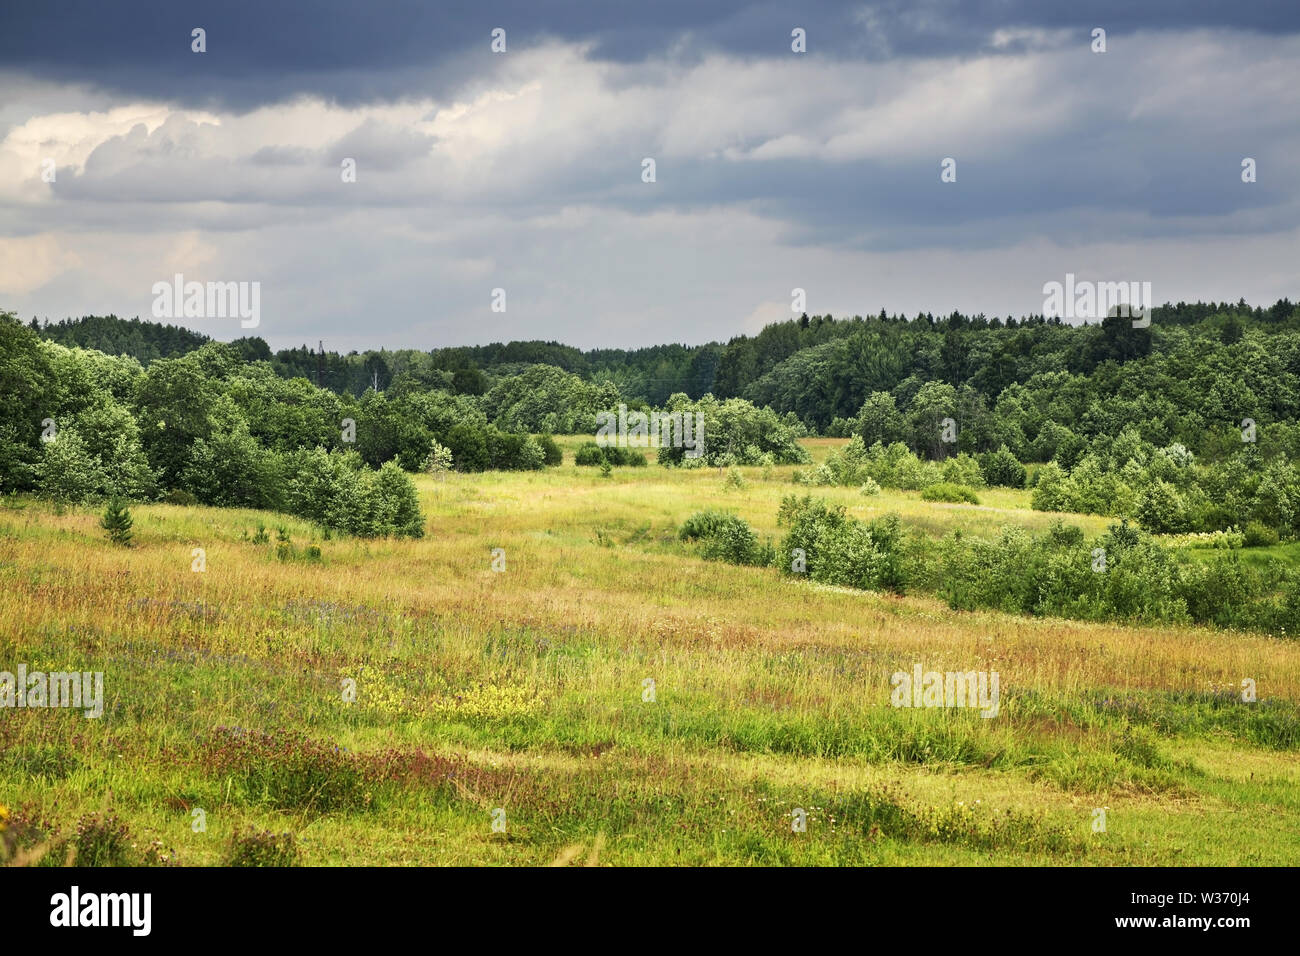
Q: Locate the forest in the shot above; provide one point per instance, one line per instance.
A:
(1186, 426)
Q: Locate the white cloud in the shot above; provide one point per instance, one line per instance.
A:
(28, 262)
(529, 178)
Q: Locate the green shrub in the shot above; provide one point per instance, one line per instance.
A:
(1001, 467)
(394, 504)
(589, 453)
(1123, 575)
(822, 475)
(734, 432)
(66, 470)
(231, 470)
(1050, 489)
(1161, 509)
(841, 550)
(1260, 535)
(962, 469)
(999, 574)
(726, 537)
(947, 491)
(439, 461)
(617, 455)
(337, 491)
(1062, 535)
(704, 524)
(507, 451)
(469, 448)
(552, 455)
(1220, 591)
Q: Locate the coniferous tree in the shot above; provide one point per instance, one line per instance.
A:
(117, 522)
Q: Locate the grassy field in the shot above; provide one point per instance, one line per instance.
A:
(523, 690)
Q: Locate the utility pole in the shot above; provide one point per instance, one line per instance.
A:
(320, 363)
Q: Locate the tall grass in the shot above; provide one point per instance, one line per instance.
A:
(523, 690)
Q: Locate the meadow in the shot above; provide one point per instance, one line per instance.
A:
(525, 690)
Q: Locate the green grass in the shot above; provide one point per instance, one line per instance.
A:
(523, 691)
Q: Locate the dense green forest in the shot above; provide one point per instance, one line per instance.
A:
(650, 375)
(1189, 424)
(819, 367)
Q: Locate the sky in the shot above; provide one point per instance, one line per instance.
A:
(126, 158)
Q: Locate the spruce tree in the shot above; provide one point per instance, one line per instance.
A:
(117, 522)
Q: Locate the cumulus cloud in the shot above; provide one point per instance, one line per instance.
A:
(773, 171)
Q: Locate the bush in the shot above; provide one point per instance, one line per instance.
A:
(589, 453)
(842, 550)
(947, 491)
(822, 475)
(869, 488)
(394, 504)
(726, 537)
(550, 450)
(511, 452)
(179, 496)
(337, 491)
(1161, 509)
(66, 470)
(1220, 592)
(468, 447)
(1001, 467)
(997, 574)
(231, 470)
(1062, 535)
(734, 432)
(439, 460)
(704, 524)
(962, 469)
(1058, 574)
(532, 456)
(1260, 535)
(1050, 491)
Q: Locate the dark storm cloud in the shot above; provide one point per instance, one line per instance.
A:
(262, 51)
(524, 171)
